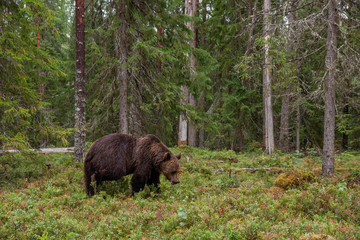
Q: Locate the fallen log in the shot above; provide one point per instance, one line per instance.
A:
(41, 150)
(274, 170)
(237, 170)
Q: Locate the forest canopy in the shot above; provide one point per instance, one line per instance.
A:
(202, 64)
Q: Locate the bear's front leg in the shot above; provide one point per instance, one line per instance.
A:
(138, 182)
(155, 180)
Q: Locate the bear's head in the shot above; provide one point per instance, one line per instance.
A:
(170, 167)
(164, 161)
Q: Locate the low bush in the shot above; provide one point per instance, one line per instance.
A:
(293, 179)
(43, 197)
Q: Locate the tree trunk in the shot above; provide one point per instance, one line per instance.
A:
(203, 26)
(41, 85)
(285, 104)
(298, 108)
(267, 95)
(190, 9)
(329, 116)
(345, 137)
(159, 32)
(241, 140)
(192, 130)
(202, 137)
(298, 119)
(187, 97)
(182, 138)
(80, 134)
(284, 122)
(159, 111)
(252, 14)
(202, 95)
(121, 73)
(41, 150)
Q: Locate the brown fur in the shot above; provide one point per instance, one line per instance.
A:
(116, 155)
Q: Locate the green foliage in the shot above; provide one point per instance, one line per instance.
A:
(226, 84)
(25, 119)
(43, 197)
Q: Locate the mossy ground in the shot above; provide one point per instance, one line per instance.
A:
(43, 197)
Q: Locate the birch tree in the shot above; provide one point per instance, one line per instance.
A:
(268, 110)
(192, 8)
(185, 97)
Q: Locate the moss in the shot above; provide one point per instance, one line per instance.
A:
(317, 237)
(293, 179)
(277, 192)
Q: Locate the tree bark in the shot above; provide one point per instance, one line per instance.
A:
(284, 122)
(202, 95)
(80, 134)
(41, 150)
(345, 136)
(190, 9)
(203, 25)
(298, 121)
(192, 129)
(159, 32)
(252, 14)
(187, 97)
(182, 138)
(121, 73)
(202, 138)
(41, 85)
(285, 103)
(330, 87)
(267, 94)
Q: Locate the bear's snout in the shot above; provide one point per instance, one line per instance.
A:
(175, 182)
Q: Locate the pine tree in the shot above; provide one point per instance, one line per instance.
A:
(284, 139)
(330, 89)
(121, 71)
(24, 119)
(80, 134)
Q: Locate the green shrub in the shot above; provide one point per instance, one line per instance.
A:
(293, 179)
(207, 204)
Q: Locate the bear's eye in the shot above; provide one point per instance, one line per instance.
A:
(174, 172)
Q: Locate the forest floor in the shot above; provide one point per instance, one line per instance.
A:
(43, 197)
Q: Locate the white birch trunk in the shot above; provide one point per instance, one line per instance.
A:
(183, 138)
(183, 125)
(267, 95)
(192, 101)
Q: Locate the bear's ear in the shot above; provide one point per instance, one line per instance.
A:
(167, 156)
(178, 156)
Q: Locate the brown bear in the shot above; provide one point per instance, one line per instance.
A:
(116, 155)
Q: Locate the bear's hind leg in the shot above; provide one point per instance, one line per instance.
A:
(89, 189)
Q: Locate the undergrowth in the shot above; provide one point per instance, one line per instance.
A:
(43, 197)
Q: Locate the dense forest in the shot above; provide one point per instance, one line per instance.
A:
(261, 98)
(228, 74)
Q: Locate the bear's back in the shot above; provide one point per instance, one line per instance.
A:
(112, 154)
